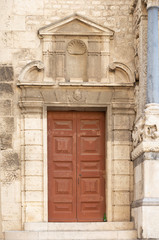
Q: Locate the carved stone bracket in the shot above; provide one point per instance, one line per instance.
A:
(146, 130)
(122, 67)
(38, 65)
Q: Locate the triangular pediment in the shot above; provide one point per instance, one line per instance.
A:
(75, 25)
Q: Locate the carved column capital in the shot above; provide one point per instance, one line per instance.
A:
(152, 3)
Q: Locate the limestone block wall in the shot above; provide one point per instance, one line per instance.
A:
(19, 45)
(21, 20)
(32, 165)
(122, 166)
(10, 164)
(123, 118)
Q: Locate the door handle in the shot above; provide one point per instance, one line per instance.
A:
(78, 177)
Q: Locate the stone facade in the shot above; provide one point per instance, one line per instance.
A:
(76, 56)
(145, 134)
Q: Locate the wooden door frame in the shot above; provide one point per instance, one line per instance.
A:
(108, 150)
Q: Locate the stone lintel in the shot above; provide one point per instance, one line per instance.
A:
(145, 202)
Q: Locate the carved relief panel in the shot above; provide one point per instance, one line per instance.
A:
(76, 61)
(76, 50)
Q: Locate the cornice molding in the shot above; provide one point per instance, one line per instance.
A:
(145, 202)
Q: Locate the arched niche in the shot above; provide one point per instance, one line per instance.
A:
(76, 61)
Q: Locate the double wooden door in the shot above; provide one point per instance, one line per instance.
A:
(76, 166)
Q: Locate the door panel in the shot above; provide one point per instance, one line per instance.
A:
(76, 166)
(61, 166)
(90, 166)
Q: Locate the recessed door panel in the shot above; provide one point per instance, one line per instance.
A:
(76, 166)
(90, 142)
(61, 166)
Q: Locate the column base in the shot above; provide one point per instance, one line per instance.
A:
(147, 221)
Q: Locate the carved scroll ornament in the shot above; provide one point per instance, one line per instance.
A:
(146, 129)
(38, 65)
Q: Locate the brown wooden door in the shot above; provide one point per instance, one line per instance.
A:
(76, 166)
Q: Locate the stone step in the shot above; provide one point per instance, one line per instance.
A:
(71, 235)
(85, 226)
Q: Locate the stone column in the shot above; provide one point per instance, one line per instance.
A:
(145, 207)
(152, 63)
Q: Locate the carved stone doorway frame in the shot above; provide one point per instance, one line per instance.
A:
(108, 151)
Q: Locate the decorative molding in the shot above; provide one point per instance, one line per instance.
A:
(142, 66)
(138, 132)
(31, 106)
(67, 38)
(53, 28)
(147, 127)
(151, 3)
(34, 84)
(30, 66)
(145, 202)
(146, 156)
(140, 47)
(76, 47)
(77, 96)
(146, 131)
(95, 84)
(145, 147)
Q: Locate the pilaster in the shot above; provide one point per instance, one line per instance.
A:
(32, 159)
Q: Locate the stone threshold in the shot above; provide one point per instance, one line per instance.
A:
(75, 231)
(78, 226)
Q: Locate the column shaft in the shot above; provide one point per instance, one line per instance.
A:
(153, 66)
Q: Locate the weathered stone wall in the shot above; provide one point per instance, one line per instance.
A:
(9, 151)
(21, 20)
(20, 44)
